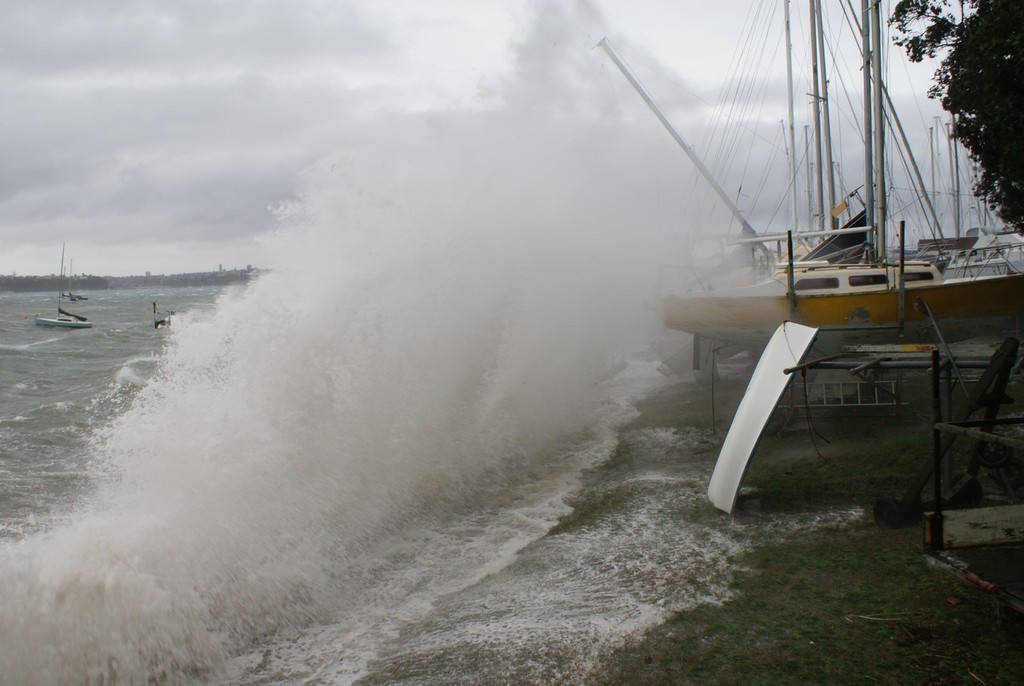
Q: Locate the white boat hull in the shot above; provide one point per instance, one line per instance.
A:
(62, 323)
(769, 381)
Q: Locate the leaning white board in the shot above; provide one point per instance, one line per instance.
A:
(787, 347)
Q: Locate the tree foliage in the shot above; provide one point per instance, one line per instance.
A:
(980, 81)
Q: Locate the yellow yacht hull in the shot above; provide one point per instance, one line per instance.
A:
(962, 309)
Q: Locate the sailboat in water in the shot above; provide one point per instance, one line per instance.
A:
(71, 291)
(849, 286)
(161, 320)
(63, 319)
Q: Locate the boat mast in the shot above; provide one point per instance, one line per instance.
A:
(954, 172)
(816, 109)
(869, 187)
(826, 118)
(932, 138)
(879, 139)
(746, 228)
(790, 123)
(809, 171)
(60, 279)
(924, 195)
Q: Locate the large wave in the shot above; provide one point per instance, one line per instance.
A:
(442, 302)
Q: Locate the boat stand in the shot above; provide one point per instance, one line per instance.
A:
(986, 397)
(983, 546)
(784, 355)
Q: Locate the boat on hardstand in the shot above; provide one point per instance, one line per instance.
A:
(850, 286)
(63, 319)
(982, 251)
(856, 301)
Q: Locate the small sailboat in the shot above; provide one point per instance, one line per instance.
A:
(161, 322)
(71, 291)
(64, 319)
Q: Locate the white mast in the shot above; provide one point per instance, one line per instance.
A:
(746, 228)
(881, 95)
(826, 117)
(60, 279)
(790, 122)
(816, 107)
(879, 140)
(810, 179)
(869, 187)
(954, 172)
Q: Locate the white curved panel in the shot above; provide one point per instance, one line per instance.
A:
(786, 348)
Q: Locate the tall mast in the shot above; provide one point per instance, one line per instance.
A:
(933, 140)
(881, 95)
(746, 228)
(790, 123)
(60, 279)
(954, 172)
(925, 198)
(816, 107)
(826, 118)
(879, 139)
(869, 182)
(810, 179)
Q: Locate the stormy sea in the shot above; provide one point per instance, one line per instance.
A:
(363, 466)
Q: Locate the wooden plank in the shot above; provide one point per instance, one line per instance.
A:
(979, 435)
(983, 526)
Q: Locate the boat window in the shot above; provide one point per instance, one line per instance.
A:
(918, 276)
(868, 280)
(816, 283)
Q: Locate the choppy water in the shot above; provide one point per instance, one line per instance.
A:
(57, 386)
(347, 471)
(252, 497)
(256, 497)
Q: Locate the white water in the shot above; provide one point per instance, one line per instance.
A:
(305, 434)
(347, 470)
(426, 364)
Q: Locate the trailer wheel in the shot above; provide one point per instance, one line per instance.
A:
(992, 455)
(889, 513)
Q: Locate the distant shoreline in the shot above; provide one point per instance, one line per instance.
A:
(87, 283)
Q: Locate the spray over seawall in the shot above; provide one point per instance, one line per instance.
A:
(441, 305)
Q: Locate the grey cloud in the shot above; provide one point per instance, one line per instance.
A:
(172, 121)
(47, 37)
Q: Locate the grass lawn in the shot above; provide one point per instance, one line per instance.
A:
(847, 604)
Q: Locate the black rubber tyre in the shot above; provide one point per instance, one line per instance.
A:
(889, 513)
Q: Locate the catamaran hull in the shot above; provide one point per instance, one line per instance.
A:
(62, 323)
(962, 309)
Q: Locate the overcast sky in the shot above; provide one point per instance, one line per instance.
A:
(160, 135)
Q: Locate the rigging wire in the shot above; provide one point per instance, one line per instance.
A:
(744, 96)
(734, 138)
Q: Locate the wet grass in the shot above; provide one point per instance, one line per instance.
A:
(855, 606)
(848, 604)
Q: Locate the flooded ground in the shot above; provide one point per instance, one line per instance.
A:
(639, 545)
